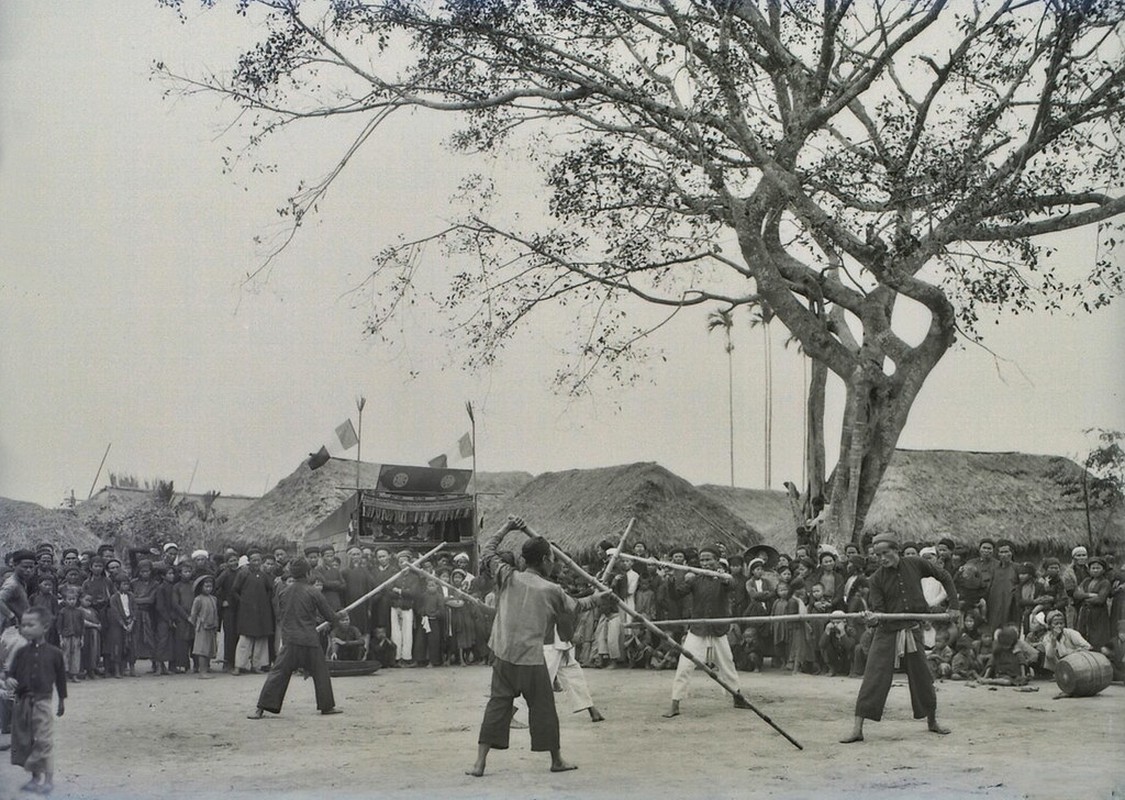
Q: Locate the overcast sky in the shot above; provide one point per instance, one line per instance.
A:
(125, 321)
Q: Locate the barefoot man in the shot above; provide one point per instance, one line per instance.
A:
(527, 605)
(896, 587)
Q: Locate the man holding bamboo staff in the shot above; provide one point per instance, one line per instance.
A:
(527, 605)
(896, 587)
(710, 595)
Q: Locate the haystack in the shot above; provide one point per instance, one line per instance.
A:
(927, 494)
(764, 510)
(24, 525)
(578, 508)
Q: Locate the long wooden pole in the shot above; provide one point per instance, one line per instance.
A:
(99, 473)
(361, 600)
(681, 567)
(451, 587)
(765, 620)
(641, 618)
(620, 543)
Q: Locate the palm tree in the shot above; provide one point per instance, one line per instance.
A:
(762, 314)
(725, 320)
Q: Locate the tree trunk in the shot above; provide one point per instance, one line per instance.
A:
(814, 445)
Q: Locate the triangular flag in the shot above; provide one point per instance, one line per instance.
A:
(465, 446)
(439, 463)
(346, 434)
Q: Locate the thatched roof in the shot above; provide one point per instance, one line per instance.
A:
(927, 494)
(578, 508)
(301, 501)
(764, 510)
(27, 524)
(494, 489)
(109, 501)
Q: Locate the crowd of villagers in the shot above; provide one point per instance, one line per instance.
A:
(197, 612)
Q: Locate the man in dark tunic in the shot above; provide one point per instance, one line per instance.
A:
(710, 599)
(896, 588)
(228, 609)
(381, 571)
(253, 590)
(357, 583)
(330, 576)
(302, 608)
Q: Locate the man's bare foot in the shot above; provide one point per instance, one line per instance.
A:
(855, 737)
(31, 786)
(46, 787)
(596, 716)
(933, 727)
(562, 766)
(256, 714)
(674, 712)
(477, 770)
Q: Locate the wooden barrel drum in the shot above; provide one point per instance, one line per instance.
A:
(1083, 674)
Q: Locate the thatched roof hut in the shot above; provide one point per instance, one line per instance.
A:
(111, 500)
(927, 494)
(27, 524)
(578, 508)
(764, 510)
(306, 498)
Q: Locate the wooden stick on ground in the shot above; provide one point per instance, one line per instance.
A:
(672, 642)
(817, 617)
(621, 543)
(361, 600)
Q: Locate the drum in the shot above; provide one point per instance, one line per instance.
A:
(1083, 674)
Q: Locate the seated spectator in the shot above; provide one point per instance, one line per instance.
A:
(966, 665)
(383, 649)
(837, 647)
(345, 641)
(1007, 666)
(1115, 652)
(940, 656)
(1060, 641)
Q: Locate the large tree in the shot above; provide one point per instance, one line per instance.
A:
(839, 162)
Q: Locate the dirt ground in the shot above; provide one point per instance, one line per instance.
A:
(410, 733)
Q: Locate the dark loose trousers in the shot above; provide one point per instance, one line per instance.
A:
(534, 683)
(291, 658)
(879, 673)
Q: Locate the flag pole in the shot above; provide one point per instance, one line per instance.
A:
(472, 442)
(360, 402)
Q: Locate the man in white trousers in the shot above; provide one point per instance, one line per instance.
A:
(706, 641)
(563, 666)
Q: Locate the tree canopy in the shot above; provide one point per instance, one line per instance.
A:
(831, 161)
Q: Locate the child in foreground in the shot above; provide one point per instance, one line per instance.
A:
(37, 671)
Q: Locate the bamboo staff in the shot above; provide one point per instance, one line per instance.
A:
(764, 620)
(672, 642)
(681, 567)
(451, 587)
(621, 543)
(360, 601)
